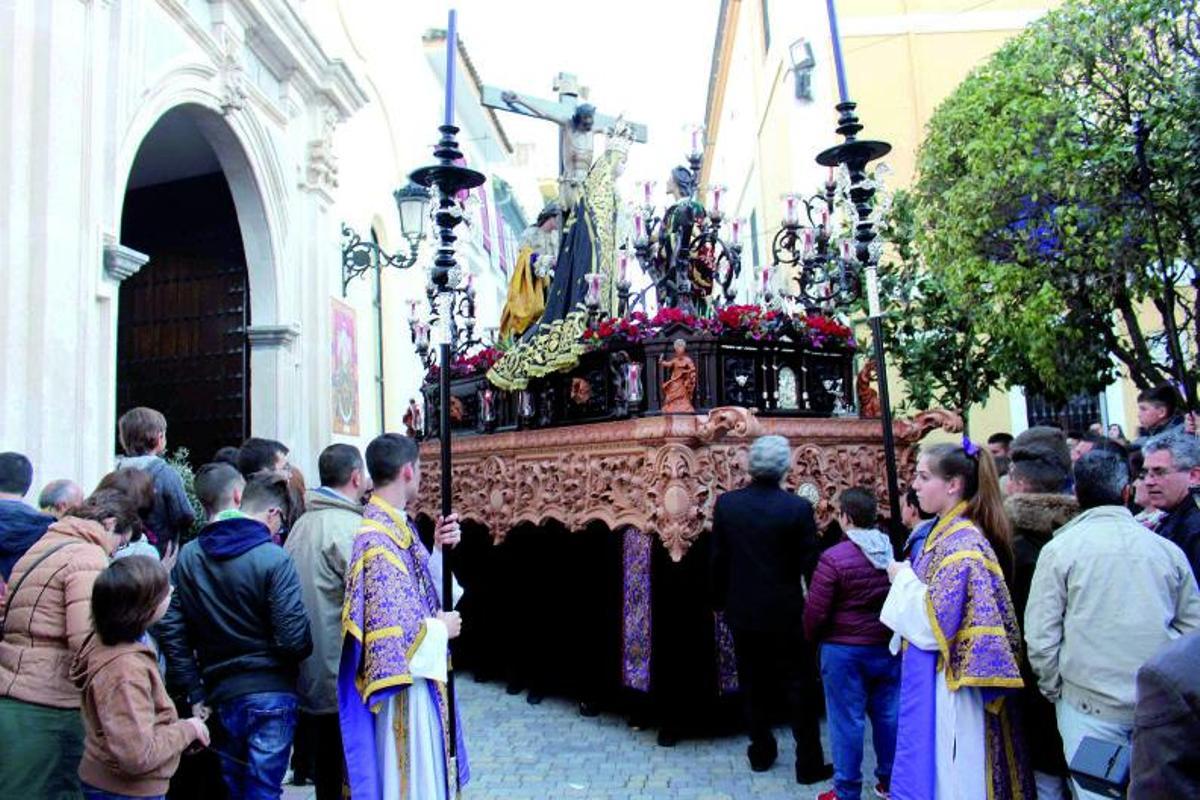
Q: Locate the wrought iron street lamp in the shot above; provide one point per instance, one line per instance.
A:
(358, 256)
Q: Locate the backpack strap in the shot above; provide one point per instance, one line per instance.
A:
(16, 587)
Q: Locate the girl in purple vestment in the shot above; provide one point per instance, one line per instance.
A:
(953, 610)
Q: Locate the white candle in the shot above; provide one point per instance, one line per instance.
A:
(735, 231)
(622, 265)
(847, 250)
(791, 211)
(451, 62)
(808, 241)
(873, 307)
(633, 380)
(593, 289)
(637, 223)
(717, 190)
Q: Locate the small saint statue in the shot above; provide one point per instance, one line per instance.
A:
(678, 389)
(413, 425)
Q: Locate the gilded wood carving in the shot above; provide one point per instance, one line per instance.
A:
(661, 474)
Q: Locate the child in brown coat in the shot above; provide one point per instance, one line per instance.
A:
(133, 737)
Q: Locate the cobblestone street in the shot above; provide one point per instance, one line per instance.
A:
(549, 752)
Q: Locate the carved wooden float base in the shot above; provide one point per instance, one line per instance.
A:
(659, 474)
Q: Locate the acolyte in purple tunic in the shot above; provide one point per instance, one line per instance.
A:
(979, 643)
(389, 595)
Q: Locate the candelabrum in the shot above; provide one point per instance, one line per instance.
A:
(673, 249)
(861, 254)
(827, 272)
(451, 299)
(460, 323)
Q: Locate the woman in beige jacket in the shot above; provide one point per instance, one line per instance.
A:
(47, 619)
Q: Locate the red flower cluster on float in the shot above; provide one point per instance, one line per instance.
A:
(467, 365)
(750, 321)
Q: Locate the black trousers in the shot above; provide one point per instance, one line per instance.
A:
(774, 667)
(323, 737)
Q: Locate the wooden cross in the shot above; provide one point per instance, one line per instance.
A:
(560, 113)
(569, 94)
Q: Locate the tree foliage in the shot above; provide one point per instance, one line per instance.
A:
(1034, 239)
(941, 353)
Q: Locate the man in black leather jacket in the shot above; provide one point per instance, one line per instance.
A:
(235, 634)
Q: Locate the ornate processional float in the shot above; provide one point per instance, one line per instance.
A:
(627, 397)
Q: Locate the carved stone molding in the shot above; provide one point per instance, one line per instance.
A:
(739, 422)
(267, 336)
(321, 169)
(232, 74)
(660, 474)
(121, 262)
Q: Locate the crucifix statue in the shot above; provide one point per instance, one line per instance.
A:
(577, 122)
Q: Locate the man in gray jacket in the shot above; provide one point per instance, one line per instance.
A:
(1107, 594)
(321, 543)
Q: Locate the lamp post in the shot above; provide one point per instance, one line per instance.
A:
(449, 178)
(358, 256)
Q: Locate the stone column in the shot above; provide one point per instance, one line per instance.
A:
(273, 387)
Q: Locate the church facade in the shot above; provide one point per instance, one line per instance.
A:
(174, 176)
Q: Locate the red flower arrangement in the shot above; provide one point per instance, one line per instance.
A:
(468, 365)
(749, 321)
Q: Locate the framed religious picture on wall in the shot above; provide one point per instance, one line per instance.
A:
(344, 352)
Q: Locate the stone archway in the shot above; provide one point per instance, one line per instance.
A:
(196, 332)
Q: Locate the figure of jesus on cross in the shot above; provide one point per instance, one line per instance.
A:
(577, 123)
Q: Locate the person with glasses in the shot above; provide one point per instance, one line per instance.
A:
(1172, 466)
(1106, 595)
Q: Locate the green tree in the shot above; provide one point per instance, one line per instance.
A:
(1032, 211)
(937, 345)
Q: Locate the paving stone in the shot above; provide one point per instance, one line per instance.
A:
(549, 752)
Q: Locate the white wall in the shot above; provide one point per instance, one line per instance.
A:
(84, 83)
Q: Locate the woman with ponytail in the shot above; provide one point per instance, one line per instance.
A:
(961, 641)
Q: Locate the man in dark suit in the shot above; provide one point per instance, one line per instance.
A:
(764, 541)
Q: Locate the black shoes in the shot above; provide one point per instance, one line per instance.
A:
(812, 775)
(761, 757)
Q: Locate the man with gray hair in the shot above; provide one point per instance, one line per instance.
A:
(59, 495)
(1107, 594)
(764, 541)
(1172, 470)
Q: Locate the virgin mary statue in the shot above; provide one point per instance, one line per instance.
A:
(589, 246)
